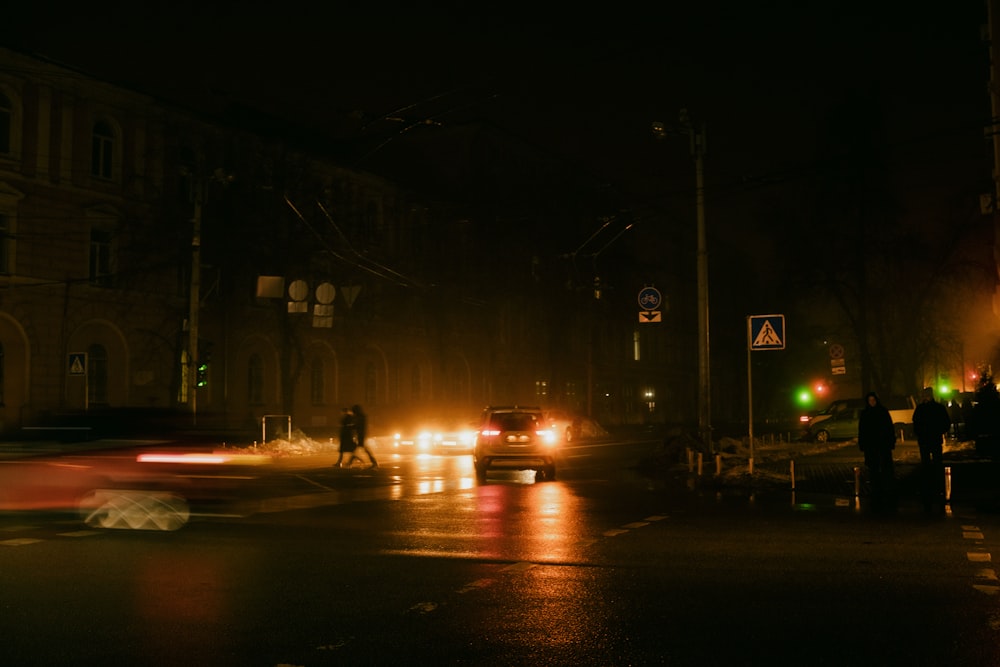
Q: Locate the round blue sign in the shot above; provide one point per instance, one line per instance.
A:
(649, 298)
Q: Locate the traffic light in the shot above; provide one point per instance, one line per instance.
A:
(202, 378)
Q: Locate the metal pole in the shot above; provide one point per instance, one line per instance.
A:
(704, 369)
(749, 389)
(194, 307)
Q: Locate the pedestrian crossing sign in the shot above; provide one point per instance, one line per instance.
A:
(767, 332)
(77, 363)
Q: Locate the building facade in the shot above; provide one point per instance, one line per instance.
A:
(160, 261)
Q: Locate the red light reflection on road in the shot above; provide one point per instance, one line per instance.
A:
(536, 523)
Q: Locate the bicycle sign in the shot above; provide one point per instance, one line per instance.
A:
(649, 298)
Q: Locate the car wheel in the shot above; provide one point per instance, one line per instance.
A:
(134, 510)
(547, 474)
(822, 436)
(481, 467)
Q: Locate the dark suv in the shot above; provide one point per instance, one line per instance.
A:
(516, 438)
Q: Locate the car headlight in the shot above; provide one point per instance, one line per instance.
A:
(424, 440)
(547, 436)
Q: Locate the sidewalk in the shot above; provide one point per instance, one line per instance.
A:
(816, 471)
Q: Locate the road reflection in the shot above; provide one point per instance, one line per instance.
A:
(539, 522)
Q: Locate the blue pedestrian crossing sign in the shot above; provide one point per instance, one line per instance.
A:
(767, 332)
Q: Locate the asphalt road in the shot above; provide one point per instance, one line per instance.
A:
(417, 563)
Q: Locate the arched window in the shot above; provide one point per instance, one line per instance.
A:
(97, 375)
(255, 380)
(102, 150)
(317, 383)
(6, 124)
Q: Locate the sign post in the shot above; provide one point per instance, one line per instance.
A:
(764, 332)
(76, 366)
(649, 304)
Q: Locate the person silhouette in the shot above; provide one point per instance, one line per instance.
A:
(931, 422)
(877, 439)
(361, 433)
(348, 443)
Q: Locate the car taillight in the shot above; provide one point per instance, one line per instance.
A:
(490, 432)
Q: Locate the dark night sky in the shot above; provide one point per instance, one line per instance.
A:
(771, 80)
(782, 86)
(579, 82)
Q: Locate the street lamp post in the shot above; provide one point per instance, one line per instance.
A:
(698, 147)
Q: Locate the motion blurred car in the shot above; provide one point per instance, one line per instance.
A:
(517, 438)
(127, 489)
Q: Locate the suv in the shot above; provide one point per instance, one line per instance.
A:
(516, 438)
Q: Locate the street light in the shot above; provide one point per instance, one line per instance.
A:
(697, 137)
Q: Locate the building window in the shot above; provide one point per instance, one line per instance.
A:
(6, 118)
(541, 388)
(102, 150)
(97, 375)
(101, 264)
(255, 380)
(317, 382)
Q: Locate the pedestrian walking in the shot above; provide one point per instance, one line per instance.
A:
(877, 440)
(930, 424)
(361, 433)
(348, 443)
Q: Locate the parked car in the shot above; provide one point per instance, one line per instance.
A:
(517, 438)
(570, 426)
(835, 408)
(900, 410)
(842, 425)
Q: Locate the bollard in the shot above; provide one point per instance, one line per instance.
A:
(857, 481)
(791, 472)
(690, 459)
(750, 465)
(718, 464)
(947, 484)
(701, 458)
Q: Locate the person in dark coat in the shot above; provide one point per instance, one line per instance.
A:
(930, 424)
(361, 432)
(877, 439)
(347, 439)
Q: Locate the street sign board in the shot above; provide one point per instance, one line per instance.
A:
(767, 332)
(649, 299)
(650, 316)
(77, 363)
